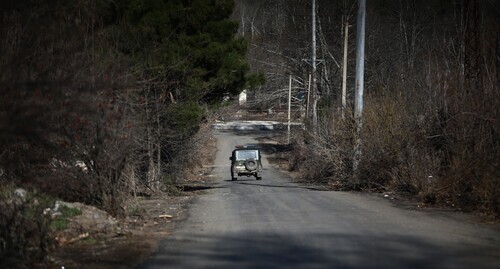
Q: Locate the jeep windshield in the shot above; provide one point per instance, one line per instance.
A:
(242, 155)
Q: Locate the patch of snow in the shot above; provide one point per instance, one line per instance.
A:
(21, 193)
(252, 125)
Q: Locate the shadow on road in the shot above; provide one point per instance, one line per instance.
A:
(260, 250)
(192, 188)
(287, 186)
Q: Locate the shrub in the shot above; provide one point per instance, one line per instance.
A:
(24, 229)
(326, 156)
(62, 221)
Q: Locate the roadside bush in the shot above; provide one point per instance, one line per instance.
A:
(396, 154)
(470, 134)
(450, 157)
(24, 229)
(326, 156)
(191, 155)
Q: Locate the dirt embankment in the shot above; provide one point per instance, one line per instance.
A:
(124, 243)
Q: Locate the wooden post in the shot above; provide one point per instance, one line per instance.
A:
(344, 69)
(314, 87)
(289, 108)
(308, 95)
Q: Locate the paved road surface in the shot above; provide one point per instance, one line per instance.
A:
(274, 223)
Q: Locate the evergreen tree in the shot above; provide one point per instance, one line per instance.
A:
(191, 44)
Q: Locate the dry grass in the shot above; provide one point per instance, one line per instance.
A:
(434, 156)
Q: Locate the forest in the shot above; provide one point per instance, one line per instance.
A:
(102, 99)
(431, 94)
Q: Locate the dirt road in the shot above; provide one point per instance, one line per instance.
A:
(274, 223)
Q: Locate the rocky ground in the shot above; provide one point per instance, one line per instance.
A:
(100, 243)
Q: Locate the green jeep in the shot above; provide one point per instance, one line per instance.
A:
(246, 162)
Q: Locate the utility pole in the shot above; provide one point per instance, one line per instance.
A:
(314, 88)
(360, 66)
(344, 68)
(289, 108)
